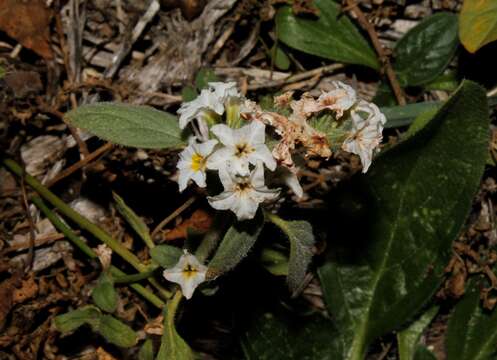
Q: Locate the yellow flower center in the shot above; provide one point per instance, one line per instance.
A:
(198, 162)
(189, 271)
(243, 149)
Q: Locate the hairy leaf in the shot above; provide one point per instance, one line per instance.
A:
(129, 125)
(390, 248)
(478, 23)
(166, 255)
(331, 36)
(472, 331)
(425, 51)
(172, 345)
(74, 319)
(116, 332)
(235, 245)
(104, 294)
(134, 220)
(301, 241)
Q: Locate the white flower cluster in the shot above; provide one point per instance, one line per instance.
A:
(240, 155)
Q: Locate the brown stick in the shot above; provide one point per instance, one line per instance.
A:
(353, 7)
(83, 162)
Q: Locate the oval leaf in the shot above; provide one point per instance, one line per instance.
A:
(116, 332)
(332, 36)
(166, 255)
(129, 125)
(478, 23)
(172, 345)
(235, 245)
(104, 294)
(387, 264)
(425, 51)
(74, 319)
(301, 242)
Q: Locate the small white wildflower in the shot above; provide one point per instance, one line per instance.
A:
(242, 194)
(366, 134)
(211, 100)
(192, 163)
(242, 147)
(188, 273)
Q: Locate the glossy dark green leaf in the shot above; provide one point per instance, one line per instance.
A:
(301, 242)
(287, 337)
(332, 36)
(116, 332)
(74, 319)
(166, 255)
(134, 220)
(104, 294)
(472, 331)
(408, 339)
(425, 51)
(235, 245)
(129, 125)
(146, 351)
(388, 263)
(398, 116)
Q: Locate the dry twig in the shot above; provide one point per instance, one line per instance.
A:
(353, 7)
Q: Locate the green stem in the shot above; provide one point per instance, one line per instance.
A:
(135, 277)
(70, 235)
(84, 223)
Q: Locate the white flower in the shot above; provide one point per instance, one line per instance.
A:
(290, 178)
(188, 273)
(341, 99)
(241, 147)
(210, 100)
(242, 195)
(193, 162)
(366, 134)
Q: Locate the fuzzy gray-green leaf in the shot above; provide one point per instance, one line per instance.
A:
(134, 220)
(104, 294)
(166, 255)
(332, 36)
(146, 351)
(116, 332)
(74, 319)
(301, 242)
(386, 263)
(235, 245)
(129, 125)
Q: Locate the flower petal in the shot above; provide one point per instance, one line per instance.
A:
(225, 134)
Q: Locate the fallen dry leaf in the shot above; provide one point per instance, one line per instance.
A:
(28, 22)
(200, 221)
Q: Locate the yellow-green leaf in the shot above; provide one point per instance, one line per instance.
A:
(478, 23)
